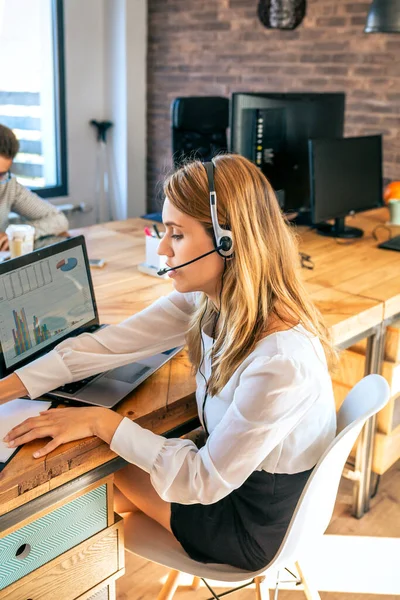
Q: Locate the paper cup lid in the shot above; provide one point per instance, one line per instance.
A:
(20, 230)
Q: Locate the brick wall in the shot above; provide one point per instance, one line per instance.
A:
(216, 47)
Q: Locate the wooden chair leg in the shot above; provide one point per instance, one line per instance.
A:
(258, 581)
(195, 583)
(169, 587)
(310, 592)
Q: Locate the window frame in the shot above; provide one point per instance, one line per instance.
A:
(61, 189)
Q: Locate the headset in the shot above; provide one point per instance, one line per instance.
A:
(223, 239)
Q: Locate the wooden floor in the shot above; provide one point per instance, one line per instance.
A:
(143, 579)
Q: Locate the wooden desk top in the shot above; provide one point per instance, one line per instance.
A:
(344, 285)
(358, 267)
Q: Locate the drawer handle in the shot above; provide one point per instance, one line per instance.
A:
(23, 551)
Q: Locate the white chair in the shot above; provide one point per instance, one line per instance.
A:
(148, 539)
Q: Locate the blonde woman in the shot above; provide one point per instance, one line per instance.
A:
(256, 342)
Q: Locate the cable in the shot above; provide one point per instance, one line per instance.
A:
(212, 347)
(203, 350)
(381, 227)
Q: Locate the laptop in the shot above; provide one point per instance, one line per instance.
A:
(47, 296)
(391, 244)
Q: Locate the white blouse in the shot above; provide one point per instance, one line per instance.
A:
(276, 413)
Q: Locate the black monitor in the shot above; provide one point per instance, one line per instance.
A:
(345, 177)
(273, 129)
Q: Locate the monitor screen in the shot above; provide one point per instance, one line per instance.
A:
(346, 176)
(44, 298)
(273, 129)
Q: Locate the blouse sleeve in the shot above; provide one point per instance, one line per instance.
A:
(161, 326)
(273, 396)
(43, 216)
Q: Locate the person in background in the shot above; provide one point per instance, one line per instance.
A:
(43, 216)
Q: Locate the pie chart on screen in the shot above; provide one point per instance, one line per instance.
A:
(67, 265)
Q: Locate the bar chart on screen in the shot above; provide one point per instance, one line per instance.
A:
(41, 303)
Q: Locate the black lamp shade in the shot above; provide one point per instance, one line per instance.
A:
(383, 17)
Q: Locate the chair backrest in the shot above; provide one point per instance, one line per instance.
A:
(199, 125)
(315, 506)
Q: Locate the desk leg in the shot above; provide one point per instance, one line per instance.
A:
(363, 464)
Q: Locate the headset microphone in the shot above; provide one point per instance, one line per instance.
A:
(167, 269)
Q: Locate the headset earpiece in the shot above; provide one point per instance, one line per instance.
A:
(225, 243)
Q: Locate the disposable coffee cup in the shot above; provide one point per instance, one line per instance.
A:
(394, 211)
(153, 259)
(21, 238)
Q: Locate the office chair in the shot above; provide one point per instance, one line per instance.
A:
(199, 125)
(148, 539)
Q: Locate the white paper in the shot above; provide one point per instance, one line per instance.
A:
(4, 255)
(12, 414)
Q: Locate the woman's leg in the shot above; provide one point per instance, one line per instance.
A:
(134, 491)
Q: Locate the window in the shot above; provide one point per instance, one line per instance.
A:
(32, 95)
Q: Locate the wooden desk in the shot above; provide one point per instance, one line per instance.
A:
(166, 400)
(32, 491)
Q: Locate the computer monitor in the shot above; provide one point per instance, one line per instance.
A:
(345, 177)
(273, 129)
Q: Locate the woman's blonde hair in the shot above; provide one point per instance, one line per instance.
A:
(261, 280)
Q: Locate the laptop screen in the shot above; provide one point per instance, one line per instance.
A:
(44, 297)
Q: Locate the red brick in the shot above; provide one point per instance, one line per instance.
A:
(358, 21)
(331, 70)
(331, 22)
(315, 58)
(358, 7)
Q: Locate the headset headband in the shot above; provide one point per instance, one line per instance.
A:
(223, 237)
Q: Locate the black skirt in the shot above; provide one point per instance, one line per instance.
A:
(244, 529)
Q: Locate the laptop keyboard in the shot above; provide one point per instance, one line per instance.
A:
(129, 373)
(75, 386)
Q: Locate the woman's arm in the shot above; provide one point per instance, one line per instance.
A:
(11, 387)
(161, 326)
(274, 395)
(43, 216)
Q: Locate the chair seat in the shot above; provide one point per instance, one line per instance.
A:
(148, 539)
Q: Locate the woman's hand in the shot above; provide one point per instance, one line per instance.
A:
(4, 244)
(64, 425)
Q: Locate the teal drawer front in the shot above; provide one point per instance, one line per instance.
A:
(52, 535)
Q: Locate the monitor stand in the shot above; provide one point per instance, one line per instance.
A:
(338, 229)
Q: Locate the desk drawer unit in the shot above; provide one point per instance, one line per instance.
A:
(52, 534)
(86, 572)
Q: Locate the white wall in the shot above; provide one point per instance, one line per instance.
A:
(105, 60)
(84, 84)
(136, 85)
(115, 98)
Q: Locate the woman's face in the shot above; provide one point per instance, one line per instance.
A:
(184, 240)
